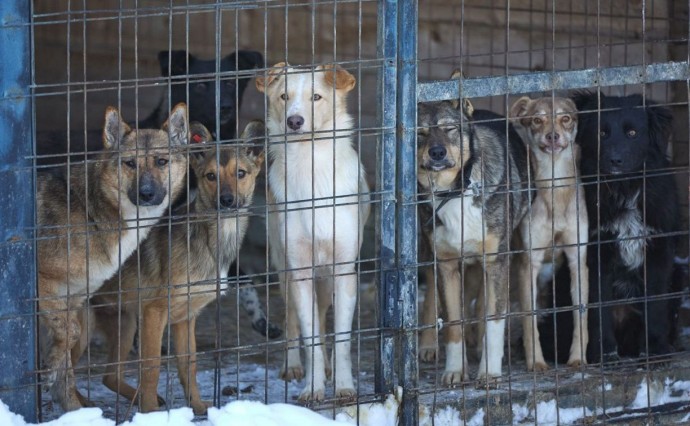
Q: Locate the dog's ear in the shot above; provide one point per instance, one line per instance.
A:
(467, 108)
(254, 134)
(246, 59)
(114, 128)
(198, 133)
(174, 62)
(456, 75)
(660, 122)
(336, 76)
(262, 83)
(585, 100)
(177, 125)
(519, 110)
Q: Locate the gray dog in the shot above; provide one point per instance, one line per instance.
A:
(474, 178)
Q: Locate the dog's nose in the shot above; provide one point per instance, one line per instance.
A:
(146, 193)
(552, 137)
(616, 161)
(295, 122)
(437, 153)
(226, 200)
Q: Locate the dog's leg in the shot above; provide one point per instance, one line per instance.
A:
(185, 352)
(344, 305)
(151, 330)
(428, 340)
(324, 293)
(658, 275)
(292, 367)
(86, 321)
(60, 319)
(530, 264)
(579, 294)
(456, 353)
(119, 333)
(602, 341)
(496, 272)
(301, 287)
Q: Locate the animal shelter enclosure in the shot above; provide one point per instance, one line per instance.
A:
(429, 95)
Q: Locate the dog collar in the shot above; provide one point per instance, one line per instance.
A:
(466, 187)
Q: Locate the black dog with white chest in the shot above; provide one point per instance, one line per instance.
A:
(633, 212)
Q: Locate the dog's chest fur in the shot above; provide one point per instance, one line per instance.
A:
(316, 177)
(631, 232)
(463, 228)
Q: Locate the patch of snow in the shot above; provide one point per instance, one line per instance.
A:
(178, 417)
(83, 417)
(520, 413)
(654, 392)
(253, 413)
(548, 413)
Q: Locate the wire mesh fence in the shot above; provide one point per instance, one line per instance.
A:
(315, 202)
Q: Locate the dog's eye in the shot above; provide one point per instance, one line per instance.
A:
(241, 173)
(162, 162)
(603, 133)
(211, 176)
(537, 121)
(284, 97)
(316, 97)
(632, 133)
(565, 119)
(131, 164)
(449, 129)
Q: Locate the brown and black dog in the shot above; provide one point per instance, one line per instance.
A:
(91, 217)
(178, 270)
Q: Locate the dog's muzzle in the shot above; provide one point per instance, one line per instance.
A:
(147, 192)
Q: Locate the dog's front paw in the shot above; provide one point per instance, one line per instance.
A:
(538, 367)
(611, 359)
(345, 395)
(200, 407)
(485, 381)
(452, 378)
(312, 395)
(576, 363)
(427, 354)
(290, 373)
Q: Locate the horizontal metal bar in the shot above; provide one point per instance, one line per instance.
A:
(551, 80)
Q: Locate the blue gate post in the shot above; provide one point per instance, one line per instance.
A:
(388, 278)
(17, 267)
(406, 190)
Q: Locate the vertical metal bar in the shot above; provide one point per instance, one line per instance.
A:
(388, 301)
(406, 190)
(18, 280)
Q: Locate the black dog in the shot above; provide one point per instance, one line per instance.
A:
(633, 210)
(201, 95)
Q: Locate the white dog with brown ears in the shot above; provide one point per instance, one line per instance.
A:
(319, 204)
(557, 222)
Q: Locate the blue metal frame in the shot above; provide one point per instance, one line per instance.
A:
(388, 277)
(17, 260)
(406, 191)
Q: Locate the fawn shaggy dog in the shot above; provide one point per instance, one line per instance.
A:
(557, 221)
(91, 217)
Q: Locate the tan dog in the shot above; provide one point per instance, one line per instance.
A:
(91, 219)
(558, 216)
(320, 196)
(178, 271)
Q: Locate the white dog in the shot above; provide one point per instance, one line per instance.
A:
(319, 204)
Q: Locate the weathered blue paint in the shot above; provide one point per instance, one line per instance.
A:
(17, 267)
(547, 81)
(388, 278)
(406, 191)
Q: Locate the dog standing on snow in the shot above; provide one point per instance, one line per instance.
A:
(318, 197)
